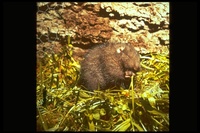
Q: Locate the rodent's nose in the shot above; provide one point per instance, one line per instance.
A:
(137, 67)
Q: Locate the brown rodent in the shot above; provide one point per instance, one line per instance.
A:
(109, 65)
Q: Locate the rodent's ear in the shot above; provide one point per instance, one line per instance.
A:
(120, 49)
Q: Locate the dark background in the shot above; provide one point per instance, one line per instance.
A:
(19, 63)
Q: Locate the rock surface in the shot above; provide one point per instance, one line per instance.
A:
(143, 24)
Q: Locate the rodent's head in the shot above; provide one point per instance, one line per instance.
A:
(130, 58)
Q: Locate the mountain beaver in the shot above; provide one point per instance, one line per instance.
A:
(109, 65)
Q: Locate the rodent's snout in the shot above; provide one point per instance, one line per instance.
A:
(129, 72)
(138, 68)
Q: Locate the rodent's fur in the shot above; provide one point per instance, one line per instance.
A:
(108, 65)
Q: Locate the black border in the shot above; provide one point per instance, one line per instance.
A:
(183, 68)
(19, 62)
